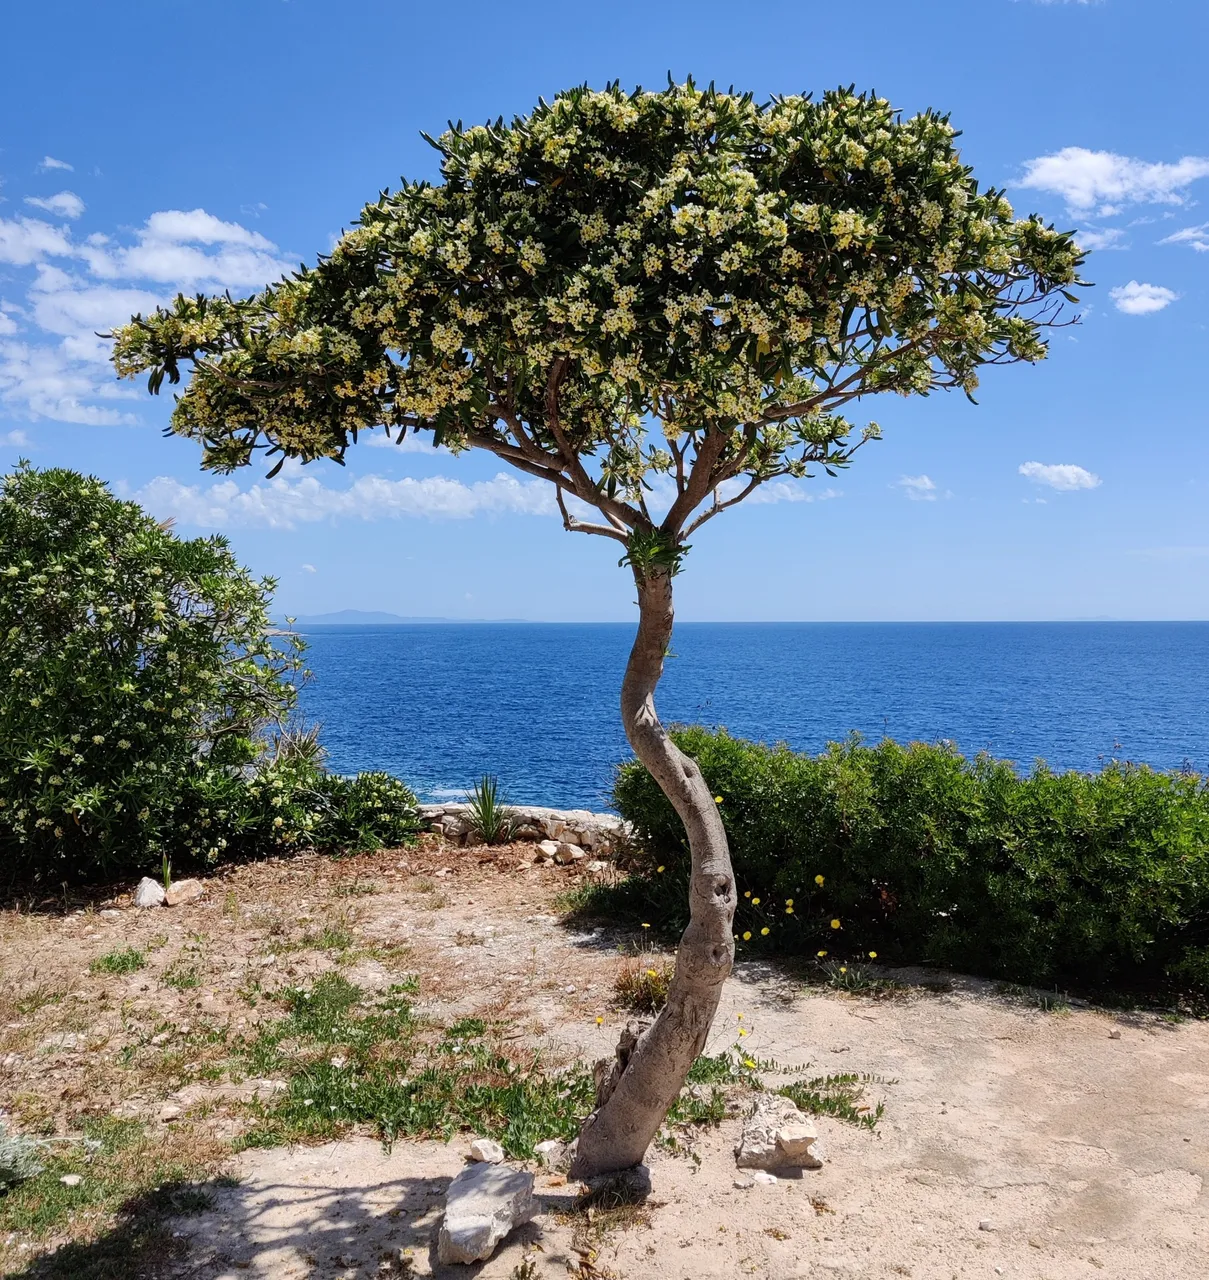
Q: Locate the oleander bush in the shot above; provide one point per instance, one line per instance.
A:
(145, 700)
(916, 854)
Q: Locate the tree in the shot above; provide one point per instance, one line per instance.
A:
(683, 285)
(134, 668)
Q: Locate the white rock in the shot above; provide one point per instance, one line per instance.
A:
(169, 1112)
(744, 1180)
(550, 1152)
(548, 848)
(483, 1203)
(986, 1225)
(71, 1179)
(1115, 1033)
(487, 1150)
(565, 853)
(762, 1175)
(776, 1136)
(181, 892)
(149, 893)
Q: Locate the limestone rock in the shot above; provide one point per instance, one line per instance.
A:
(597, 865)
(548, 848)
(565, 853)
(551, 1152)
(149, 893)
(71, 1179)
(182, 891)
(777, 1136)
(486, 1150)
(482, 1205)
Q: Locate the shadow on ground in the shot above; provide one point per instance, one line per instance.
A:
(283, 1228)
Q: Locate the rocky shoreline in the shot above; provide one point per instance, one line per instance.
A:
(603, 835)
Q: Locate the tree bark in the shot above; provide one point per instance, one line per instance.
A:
(633, 1099)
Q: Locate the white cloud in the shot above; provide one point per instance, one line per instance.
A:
(1063, 476)
(918, 488)
(66, 204)
(24, 241)
(1094, 238)
(49, 162)
(285, 503)
(80, 287)
(15, 439)
(1141, 299)
(1197, 237)
(769, 492)
(309, 568)
(1086, 179)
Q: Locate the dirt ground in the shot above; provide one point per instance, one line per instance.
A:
(1015, 1141)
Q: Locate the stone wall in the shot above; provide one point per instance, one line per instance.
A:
(600, 834)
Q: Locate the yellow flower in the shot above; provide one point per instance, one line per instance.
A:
(747, 894)
(872, 955)
(819, 881)
(789, 911)
(646, 926)
(747, 936)
(764, 932)
(820, 954)
(717, 799)
(843, 968)
(835, 924)
(742, 1032)
(789, 902)
(650, 973)
(747, 1062)
(740, 1016)
(755, 902)
(599, 1020)
(659, 869)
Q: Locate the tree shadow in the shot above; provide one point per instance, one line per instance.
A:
(382, 1228)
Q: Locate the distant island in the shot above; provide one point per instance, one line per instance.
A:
(373, 618)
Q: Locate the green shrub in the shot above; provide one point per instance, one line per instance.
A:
(144, 698)
(919, 855)
(133, 665)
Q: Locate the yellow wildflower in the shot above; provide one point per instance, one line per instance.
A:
(835, 924)
(747, 936)
(819, 881)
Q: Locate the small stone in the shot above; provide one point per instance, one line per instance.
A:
(482, 1205)
(1115, 1033)
(550, 1152)
(565, 853)
(986, 1225)
(169, 1112)
(71, 1179)
(149, 893)
(181, 892)
(762, 1175)
(596, 865)
(547, 848)
(487, 1150)
(743, 1181)
(162, 1038)
(111, 913)
(776, 1135)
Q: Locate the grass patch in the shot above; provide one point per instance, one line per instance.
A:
(642, 985)
(182, 975)
(354, 1060)
(1046, 1001)
(125, 960)
(841, 1096)
(39, 997)
(857, 978)
(130, 1183)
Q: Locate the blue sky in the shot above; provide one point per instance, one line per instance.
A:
(149, 145)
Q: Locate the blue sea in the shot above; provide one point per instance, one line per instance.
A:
(536, 704)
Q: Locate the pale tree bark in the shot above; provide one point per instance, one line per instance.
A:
(634, 1097)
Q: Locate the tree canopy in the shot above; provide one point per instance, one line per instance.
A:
(623, 286)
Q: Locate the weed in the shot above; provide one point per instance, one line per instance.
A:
(858, 978)
(230, 905)
(820, 1206)
(489, 817)
(354, 889)
(526, 1269)
(351, 1059)
(182, 975)
(126, 960)
(39, 997)
(642, 985)
(1046, 1001)
(840, 1096)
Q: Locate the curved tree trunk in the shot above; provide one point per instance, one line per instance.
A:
(650, 1071)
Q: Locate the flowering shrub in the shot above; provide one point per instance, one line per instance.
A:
(917, 855)
(139, 687)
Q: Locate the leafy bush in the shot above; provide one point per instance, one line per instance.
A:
(143, 699)
(917, 855)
